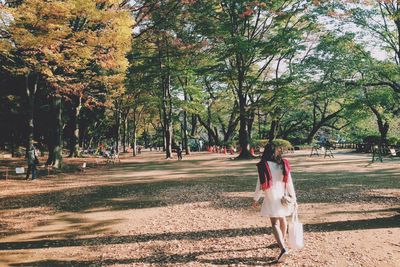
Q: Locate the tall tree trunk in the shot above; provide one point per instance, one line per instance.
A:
(167, 98)
(50, 145)
(83, 138)
(167, 106)
(315, 125)
(265, 122)
(232, 124)
(216, 136)
(74, 146)
(57, 151)
(164, 148)
(134, 141)
(259, 123)
(209, 129)
(273, 130)
(117, 127)
(383, 129)
(124, 129)
(231, 128)
(165, 122)
(383, 126)
(194, 125)
(244, 141)
(128, 136)
(213, 136)
(250, 121)
(51, 136)
(161, 127)
(185, 126)
(311, 134)
(12, 139)
(134, 138)
(31, 89)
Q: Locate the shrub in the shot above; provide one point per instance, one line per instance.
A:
(372, 139)
(259, 143)
(277, 142)
(282, 143)
(394, 141)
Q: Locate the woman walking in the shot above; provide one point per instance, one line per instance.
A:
(275, 183)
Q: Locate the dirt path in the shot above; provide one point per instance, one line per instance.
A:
(149, 211)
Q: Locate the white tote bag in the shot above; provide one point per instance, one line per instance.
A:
(295, 235)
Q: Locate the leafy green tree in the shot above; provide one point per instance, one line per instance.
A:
(377, 28)
(141, 86)
(335, 61)
(383, 103)
(250, 36)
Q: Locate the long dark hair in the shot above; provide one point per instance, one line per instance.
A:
(269, 155)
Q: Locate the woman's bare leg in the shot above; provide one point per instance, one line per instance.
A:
(276, 230)
(283, 225)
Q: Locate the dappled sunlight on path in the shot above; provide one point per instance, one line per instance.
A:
(148, 210)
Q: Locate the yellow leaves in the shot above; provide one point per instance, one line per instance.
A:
(15, 70)
(218, 8)
(42, 14)
(117, 39)
(39, 25)
(70, 36)
(5, 47)
(84, 8)
(46, 72)
(109, 3)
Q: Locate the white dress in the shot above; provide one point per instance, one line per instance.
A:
(272, 206)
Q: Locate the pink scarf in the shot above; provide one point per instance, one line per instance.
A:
(264, 173)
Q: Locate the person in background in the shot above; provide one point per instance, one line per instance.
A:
(179, 151)
(32, 162)
(322, 140)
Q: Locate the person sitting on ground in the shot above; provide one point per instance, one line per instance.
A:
(273, 182)
(106, 154)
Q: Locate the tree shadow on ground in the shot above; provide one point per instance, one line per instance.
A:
(196, 235)
(376, 223)
(160, 259)
(366, 211)
(155, 165)
(74, 227)
(132, 193)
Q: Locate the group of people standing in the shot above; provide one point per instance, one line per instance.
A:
(220, 149)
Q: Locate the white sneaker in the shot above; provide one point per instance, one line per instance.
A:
(283, 255)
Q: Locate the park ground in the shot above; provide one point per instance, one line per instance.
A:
(148, 211)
